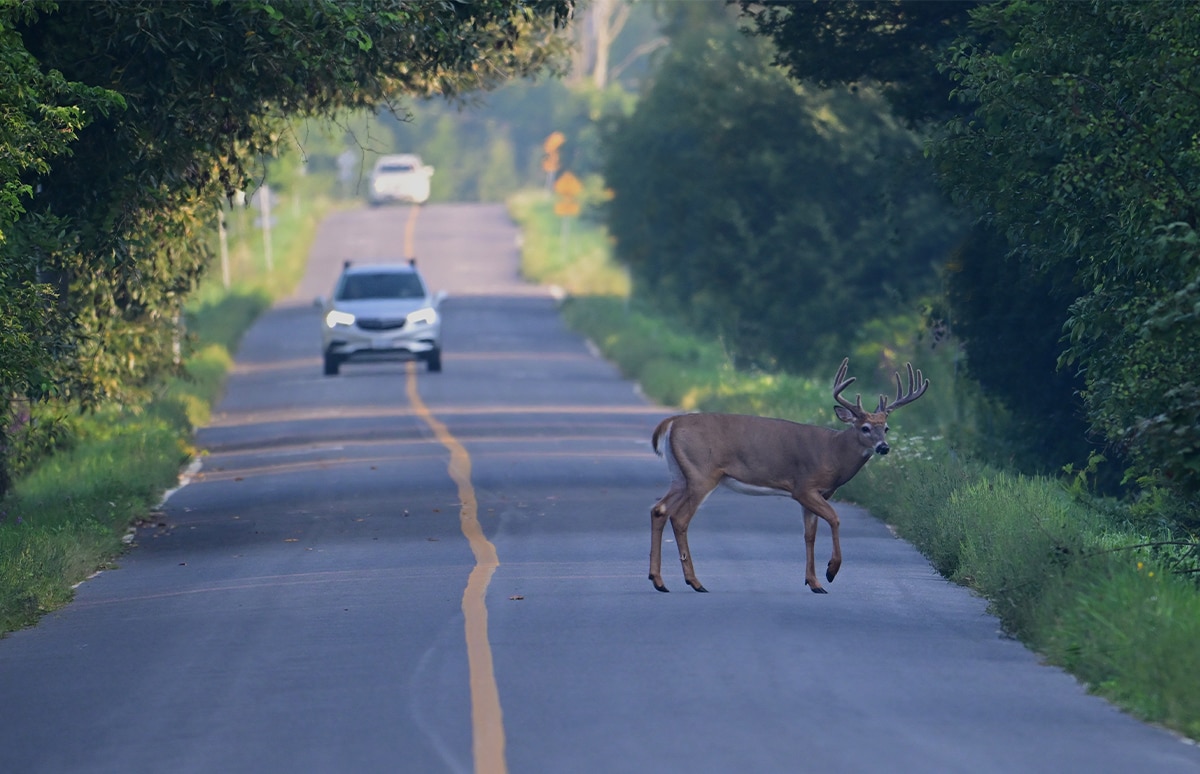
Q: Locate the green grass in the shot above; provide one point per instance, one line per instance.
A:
(1066, 575)
(66, 517)
(570, 253)
(1086, 583)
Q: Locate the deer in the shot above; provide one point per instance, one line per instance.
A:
(765, 456)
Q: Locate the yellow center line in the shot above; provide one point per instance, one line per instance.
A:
(487, 719)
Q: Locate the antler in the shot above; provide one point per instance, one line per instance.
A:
(840, 383)
(912, 394)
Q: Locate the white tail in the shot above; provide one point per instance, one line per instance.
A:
(762, 456)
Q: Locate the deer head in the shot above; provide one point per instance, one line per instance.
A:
(870, 427)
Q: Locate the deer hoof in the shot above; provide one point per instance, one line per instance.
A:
(659, 585)
(815, 588)
(697, 587)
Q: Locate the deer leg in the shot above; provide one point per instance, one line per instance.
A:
(810, 559)
(816, 505)
(835, 559)
(679, 524)
(658, 520)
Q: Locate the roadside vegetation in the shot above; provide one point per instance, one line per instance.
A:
(1103, 588)
(104, 469)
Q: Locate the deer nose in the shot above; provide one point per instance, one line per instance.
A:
(882, 448)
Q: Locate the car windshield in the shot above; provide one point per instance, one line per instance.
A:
(357, 287)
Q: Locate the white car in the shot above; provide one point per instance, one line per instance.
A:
(399, 178)
(381, 311)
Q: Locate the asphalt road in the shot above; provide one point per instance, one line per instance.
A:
(396, 571)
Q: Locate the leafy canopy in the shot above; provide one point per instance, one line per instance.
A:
(759, 210)
(1082, 149)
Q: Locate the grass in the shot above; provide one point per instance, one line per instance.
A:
(570, 253)
(1066, 575)
(66, 518)
(1086, 583)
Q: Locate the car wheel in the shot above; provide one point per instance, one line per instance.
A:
(332, 363)
(433, 360)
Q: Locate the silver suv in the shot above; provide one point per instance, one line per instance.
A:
(381, 311)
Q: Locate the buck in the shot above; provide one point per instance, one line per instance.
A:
(762, 456)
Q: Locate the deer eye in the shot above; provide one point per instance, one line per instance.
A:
(866, 428)
(886, 430)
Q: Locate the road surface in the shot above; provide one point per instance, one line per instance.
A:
(397, 571)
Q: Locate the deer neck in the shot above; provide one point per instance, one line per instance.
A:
(849, 455)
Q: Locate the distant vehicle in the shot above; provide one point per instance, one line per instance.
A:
(399, 178)
(381, 311)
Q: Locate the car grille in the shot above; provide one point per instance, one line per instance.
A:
(379, 324)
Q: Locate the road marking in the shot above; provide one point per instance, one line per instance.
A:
(487, 719)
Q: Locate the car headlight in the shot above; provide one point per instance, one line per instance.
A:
(336, 318)
(426, 316)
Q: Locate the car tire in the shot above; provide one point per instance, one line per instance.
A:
(433, 360)
(332, 363)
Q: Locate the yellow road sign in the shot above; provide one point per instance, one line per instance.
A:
(568, 189)
(568, 186)
(563, 208)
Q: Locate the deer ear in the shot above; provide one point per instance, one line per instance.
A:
(844, 414)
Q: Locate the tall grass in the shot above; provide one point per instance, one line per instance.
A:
(568, 252)
(1085, 582)
(1063, 573)
(66, 518)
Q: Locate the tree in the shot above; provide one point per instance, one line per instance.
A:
(39, 119)
(758, 209)
(891, 42)
(611, 37)
(1081, 148)
(174, 105)
(1008, 319)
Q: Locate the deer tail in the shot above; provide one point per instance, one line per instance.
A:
(661, 432)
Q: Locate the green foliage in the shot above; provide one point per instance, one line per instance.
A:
(1072, 580)
(564, 252)
(894, 43)
(62, 520)
(1081, 150)
(1129, 630)
(762, 212)
(42, 113)
(66, 514)
(1010, 319)
(221, 318)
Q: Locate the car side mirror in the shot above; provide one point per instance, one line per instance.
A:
(438, 298)
(319, 302)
